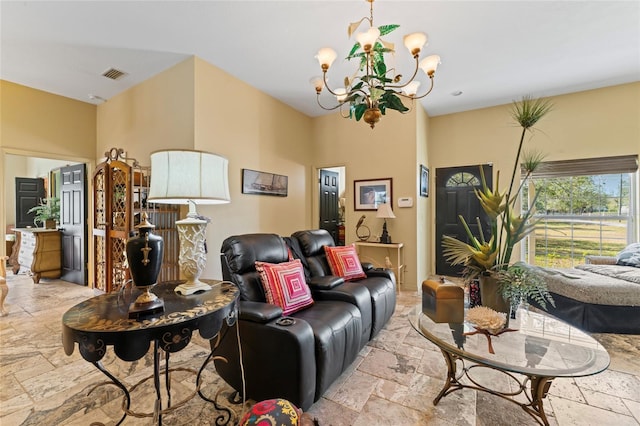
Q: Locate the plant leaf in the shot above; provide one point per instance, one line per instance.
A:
(529, 111)
(386, 29)
(358, 111)
(392, 101)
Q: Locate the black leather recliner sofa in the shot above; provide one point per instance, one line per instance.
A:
(299, 356)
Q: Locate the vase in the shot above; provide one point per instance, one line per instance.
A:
(490, 295)
(144, 255)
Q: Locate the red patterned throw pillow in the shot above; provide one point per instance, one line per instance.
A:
(284, 285)
(344, 262)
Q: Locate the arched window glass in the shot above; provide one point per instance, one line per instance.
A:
(463, 179)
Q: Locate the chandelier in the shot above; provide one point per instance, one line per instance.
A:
(369, 94)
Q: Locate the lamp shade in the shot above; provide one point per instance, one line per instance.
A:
(430, 64)
(385, 212)
(368, 38)
(411, 89)
(181, 176)
(414, 42)
(326, 56)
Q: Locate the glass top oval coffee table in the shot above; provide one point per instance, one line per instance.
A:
(537, 347)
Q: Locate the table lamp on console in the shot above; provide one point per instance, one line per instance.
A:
(190, 177)
(385, 212)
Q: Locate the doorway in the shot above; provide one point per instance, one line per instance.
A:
(331, 203)
(18, 163)
(455, 197)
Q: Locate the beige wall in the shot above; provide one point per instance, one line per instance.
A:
(595, 123)
(254, 131)
(195, 105)
(424, 218)
(34, 123)
(155, 114)
(389, 150)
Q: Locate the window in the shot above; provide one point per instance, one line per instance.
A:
(582, 211)
(463, 179)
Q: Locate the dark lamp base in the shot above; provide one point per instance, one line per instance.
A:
(138, 310)
(385, 239)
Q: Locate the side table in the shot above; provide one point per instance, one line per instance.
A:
(395, 251)
(103, 321)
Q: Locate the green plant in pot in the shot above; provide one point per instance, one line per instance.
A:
(488, 258)
(47, 212)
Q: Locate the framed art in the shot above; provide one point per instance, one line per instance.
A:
(369, 193)
(255, 182)
(424, 181)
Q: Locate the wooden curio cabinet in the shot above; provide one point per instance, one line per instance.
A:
(120, 189)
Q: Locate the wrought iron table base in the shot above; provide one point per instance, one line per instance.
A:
(538, 388)
(223, 418)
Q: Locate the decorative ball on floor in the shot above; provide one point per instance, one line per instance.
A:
(278, 412)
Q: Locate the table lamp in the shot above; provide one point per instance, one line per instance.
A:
(385, 212)
(190, 177)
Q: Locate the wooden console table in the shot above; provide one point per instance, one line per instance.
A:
(376, 252)
(40, 251)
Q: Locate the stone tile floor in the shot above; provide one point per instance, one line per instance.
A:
(393, 382)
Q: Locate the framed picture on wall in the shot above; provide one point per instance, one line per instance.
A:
(369, 193)
(424, 181)
(255, 182)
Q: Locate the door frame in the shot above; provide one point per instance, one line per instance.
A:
(315, 191)
(438, 177)
(89, 167)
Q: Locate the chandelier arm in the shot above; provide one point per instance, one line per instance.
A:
(324, 78)
(342, 111)
(326, 108)
(415, 73)
(428, 91)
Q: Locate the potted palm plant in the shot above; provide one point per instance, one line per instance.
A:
(488, 258)
(47, 212)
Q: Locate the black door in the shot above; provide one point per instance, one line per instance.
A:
(455, 196)
(329, 191)
(29, 192)
(73, 223)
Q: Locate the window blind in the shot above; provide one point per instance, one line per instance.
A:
(586, 166)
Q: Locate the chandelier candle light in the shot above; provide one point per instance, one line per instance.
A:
(369, 95)
(190, 177)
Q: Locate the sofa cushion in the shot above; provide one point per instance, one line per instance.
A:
(284, 285)
(344, 262)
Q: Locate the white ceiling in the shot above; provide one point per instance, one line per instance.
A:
(492, 51)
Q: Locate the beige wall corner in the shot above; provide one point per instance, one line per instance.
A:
(389, 150)
(34, 123)
(595, 123)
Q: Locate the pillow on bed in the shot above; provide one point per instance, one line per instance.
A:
(630, 256)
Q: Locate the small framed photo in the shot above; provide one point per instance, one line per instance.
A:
(369, 193)
(424, 181)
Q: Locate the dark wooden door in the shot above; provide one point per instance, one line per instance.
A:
(29, 192)
(73, 223)
(455, 196)
(329, 192)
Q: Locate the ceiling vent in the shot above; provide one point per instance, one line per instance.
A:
(114, 74)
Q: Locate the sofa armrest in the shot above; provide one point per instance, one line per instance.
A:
(258, 312)
(366, 266)
(326, 282)
(382, 272)
(600, 260)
